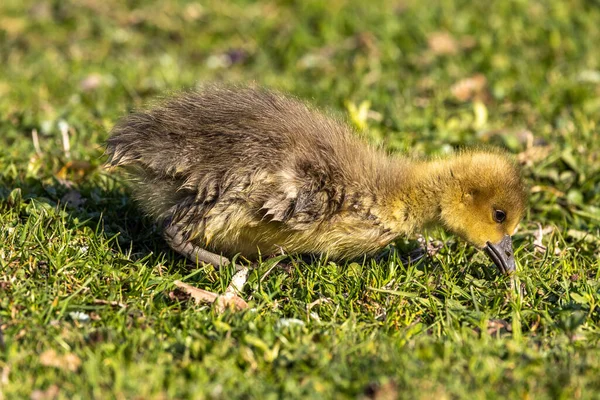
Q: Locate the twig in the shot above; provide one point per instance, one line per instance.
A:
(36, 142)
(109, 303)
(538, 239)
(2, 345)
(309, 306)
(64, 130)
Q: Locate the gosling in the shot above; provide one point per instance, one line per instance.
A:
(237, 170)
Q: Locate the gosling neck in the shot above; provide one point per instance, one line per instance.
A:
(418, 194)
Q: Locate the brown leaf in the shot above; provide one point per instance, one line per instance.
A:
(78, 168)
(434, 247)
(91, 82)
(48, 394)
(367, 41)
(469, 88)
(70, 362)
(193, 12)
(534, 154)
(228, 300)
(179, 295)
(498, 325)
(386, 391)
(200, 295)
(442, 43)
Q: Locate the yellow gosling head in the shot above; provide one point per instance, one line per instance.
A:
(484, 202)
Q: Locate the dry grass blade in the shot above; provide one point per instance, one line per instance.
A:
(230, 301)
(109, 303)
(498, 326)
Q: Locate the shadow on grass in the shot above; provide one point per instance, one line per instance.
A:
(102, 206)
(101, 203)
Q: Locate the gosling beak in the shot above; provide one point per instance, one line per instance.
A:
(502, 255)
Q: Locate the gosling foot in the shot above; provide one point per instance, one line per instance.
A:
(231, 298)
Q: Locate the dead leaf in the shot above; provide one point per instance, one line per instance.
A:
(223, 302)
(78, 168)
(434, 247)
(193, 12)
(534, 154)
(48, 394)
(367, 41)
(200, 295)
(469, 88)
(178, 295)
(385, 391)
(230, 301)
(442, 43)
(95, 317)
(20, 334)
(498, 325)
(70, 362)
(91, 82)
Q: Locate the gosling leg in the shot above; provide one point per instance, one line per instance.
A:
(177, 242)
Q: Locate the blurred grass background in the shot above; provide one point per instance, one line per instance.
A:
(87, 304)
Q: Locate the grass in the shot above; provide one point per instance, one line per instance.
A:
(88, 307)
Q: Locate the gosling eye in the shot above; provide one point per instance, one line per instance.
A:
(499, 216)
